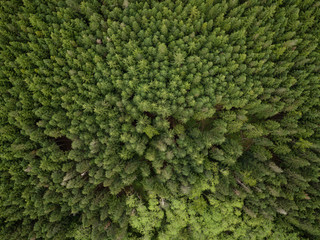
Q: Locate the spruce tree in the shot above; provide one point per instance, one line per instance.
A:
(130, 119)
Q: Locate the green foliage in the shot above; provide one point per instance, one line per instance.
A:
(127, 119)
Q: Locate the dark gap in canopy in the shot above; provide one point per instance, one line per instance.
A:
(64, 143)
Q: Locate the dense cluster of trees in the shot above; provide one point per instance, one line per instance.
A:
(125, 119)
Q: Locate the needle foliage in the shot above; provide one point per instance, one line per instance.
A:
(125, 119)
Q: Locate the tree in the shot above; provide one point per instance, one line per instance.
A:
(159, 120)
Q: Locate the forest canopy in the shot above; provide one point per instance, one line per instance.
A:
(126, 119)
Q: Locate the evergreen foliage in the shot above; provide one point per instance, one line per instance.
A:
(125, 119)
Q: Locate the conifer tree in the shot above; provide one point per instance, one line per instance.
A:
(128, 119)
